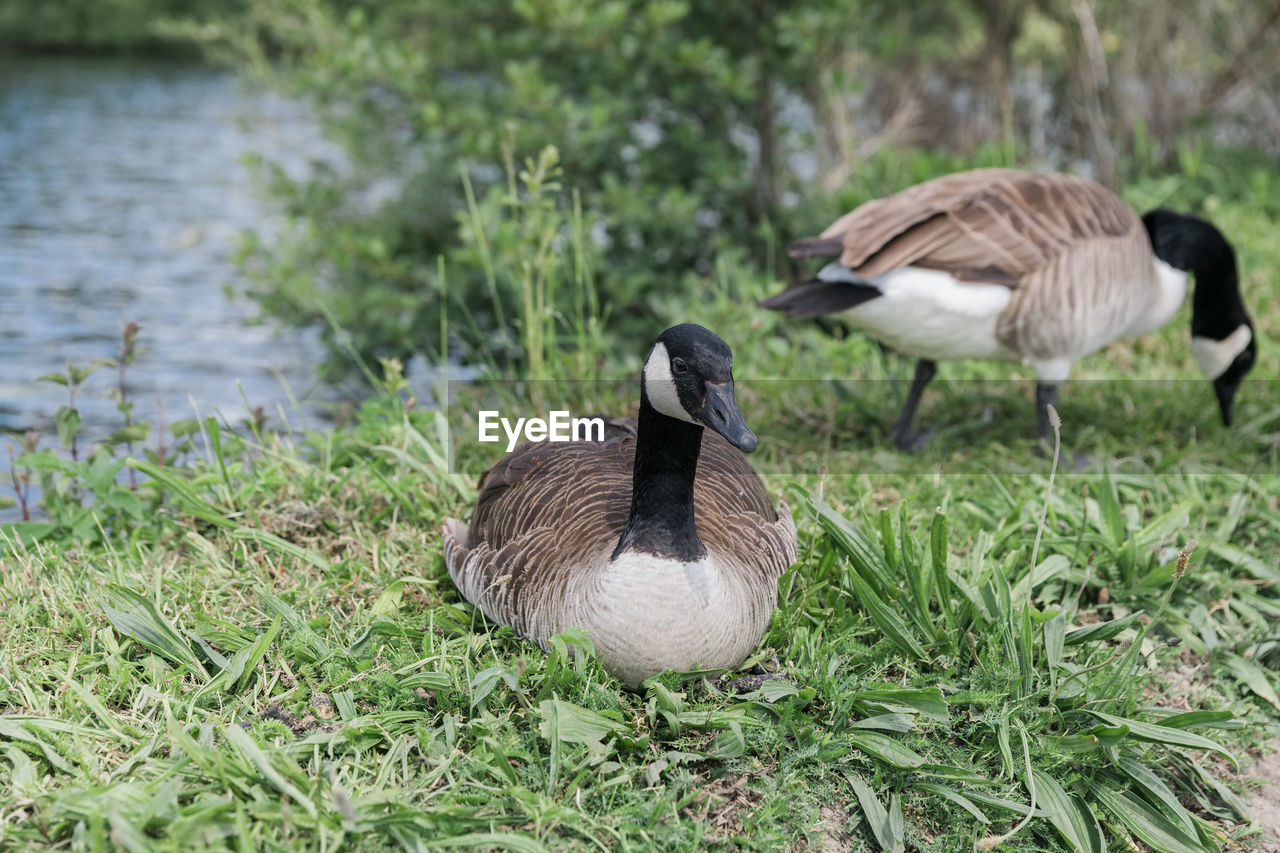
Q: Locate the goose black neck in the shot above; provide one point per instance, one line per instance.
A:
(1194, 245)
(661, 520)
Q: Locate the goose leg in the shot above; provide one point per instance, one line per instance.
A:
(903, 436)
(1046, 395)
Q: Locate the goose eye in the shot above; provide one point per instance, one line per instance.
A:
(678, 366)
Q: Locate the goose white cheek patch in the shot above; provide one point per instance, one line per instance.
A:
(660, 385)
(1214, 357)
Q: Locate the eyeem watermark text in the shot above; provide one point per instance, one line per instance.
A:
(558, 426)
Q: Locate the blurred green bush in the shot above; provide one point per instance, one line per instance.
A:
(109, 25)
(698, 130)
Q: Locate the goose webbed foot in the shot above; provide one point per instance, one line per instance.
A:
(768, 670)
(909, 441)
(749, 683)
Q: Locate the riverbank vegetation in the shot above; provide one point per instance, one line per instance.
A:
(120, 26)
(222, 632)
(263, 644)
(697, 133)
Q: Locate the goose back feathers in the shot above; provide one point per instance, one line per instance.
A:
(557, 541)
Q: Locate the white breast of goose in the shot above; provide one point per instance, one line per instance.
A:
(1170, 291)
(647, 613)
(930, 314)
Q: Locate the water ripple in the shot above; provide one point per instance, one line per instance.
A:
(121, 195)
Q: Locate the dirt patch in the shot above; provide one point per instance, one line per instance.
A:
(831, 832)
(1265, 803)
(722, 804)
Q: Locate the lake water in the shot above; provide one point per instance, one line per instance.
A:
(122, 192)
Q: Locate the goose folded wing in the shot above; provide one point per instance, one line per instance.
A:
(767, 548)
(726, 482)
(989, 225)
(555, 483)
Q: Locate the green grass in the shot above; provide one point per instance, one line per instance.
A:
(263, 650)
(277, 657)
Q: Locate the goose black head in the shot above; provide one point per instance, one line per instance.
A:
(1222, 337)
(689, 376)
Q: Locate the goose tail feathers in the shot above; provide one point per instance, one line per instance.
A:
(816, 298)
(816, 247)
(457, 544)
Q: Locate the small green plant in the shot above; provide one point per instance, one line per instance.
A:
(529, 237)
(80, 495)
(130, 432)
(21, 477)
(67, 418)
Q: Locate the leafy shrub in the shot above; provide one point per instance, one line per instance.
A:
(115, 26)
(687, 128)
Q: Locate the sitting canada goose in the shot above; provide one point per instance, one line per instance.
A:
(602, 535)
(1039, 268)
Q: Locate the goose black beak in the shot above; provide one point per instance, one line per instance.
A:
(1225, 390)
(720, 412)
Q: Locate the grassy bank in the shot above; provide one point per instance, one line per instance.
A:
(269, 653)
(258, 645)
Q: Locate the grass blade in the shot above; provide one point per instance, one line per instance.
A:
(188, 499)
(867, 561)
(254, 754)
(730, 743)
(956, 797)
(900, 723)
(887, 619)
(1250, 675)
(243, 662)
(1069, 815)
(886, 749)
(941, 579)
(299, 628)
(137, 618)
(1054, 640)
(1157, 792)
(566, 722)
(1165, 735)
(919, 580)
(1109, 511)
(1100, 631)
(489, 841)
(922, 700)
(280, 546)
(1001, 803)
(1189, 719)
(882, 828)
(1144, 821)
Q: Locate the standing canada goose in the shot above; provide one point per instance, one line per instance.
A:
(1037, 268)
(602, 535)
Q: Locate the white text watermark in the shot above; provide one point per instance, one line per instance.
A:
(558, 426)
